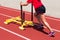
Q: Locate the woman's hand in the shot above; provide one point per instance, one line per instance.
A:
(23, 4)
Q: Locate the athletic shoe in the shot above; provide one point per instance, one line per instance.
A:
(51, 34)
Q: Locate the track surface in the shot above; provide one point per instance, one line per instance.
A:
(12, 32)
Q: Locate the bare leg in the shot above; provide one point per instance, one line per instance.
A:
(42, 17)
(38, 17)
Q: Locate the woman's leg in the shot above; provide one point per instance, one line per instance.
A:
(40, 26)
(38, 18)
(42, 17)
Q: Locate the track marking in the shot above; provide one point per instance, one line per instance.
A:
(53, 18)
(56, 30)
(5, 15)
(14, 33)
(47, 17)
(27, 13)
(9, 8)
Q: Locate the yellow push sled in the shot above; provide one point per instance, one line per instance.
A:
(20, 20)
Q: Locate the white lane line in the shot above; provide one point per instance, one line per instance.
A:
(27, 13)
(47, 17)
(5, 15)
(7, 8)
(52, 18)
(14, 33)
(56, 30)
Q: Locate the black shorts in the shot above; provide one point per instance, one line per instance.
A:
(40, 10)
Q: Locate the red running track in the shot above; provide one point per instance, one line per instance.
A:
(14, 33)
